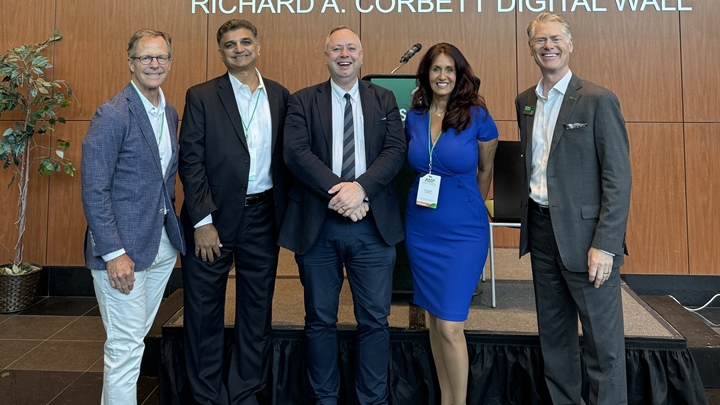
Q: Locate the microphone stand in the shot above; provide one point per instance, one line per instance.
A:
(399, 66)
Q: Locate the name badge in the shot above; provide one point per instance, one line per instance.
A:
(529, 110)
(253, 163)
(428, 191)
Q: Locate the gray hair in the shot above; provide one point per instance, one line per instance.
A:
(340, 28)
(145, 34)
(548, 17)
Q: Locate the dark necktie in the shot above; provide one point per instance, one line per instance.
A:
(348, 165)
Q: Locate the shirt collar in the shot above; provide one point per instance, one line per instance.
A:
(560, 86)
(339, 93)
(149, 107)
(238, 86)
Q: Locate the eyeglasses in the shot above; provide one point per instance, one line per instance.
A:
(147, 59)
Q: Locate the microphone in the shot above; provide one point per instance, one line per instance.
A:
(410, 53)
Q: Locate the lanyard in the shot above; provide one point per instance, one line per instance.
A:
(247, 127)
(162, 123)
(431, 145)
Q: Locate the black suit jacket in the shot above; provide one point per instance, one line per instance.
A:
(308, 154)
(215, 160)
(588, 173)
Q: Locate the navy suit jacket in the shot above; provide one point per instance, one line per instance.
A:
(123, 188)
(308, 154)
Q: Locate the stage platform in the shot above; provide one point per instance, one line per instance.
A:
(505, 363)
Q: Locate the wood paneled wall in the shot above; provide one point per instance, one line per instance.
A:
(662, 66)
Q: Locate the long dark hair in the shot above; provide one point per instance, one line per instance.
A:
(463, 97)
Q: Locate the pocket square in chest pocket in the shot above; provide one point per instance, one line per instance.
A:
(576, 125)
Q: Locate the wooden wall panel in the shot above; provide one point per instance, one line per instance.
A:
(656, 234)
(291, 45)
(634, 54)
(486, 39)
(36, 214)
(700, 44)
(13, 33)
(66, 220)
(702, 148)
(93, 56)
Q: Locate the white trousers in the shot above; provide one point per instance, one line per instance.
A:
(127, 319)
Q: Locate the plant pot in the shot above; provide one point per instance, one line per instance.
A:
(17, 291)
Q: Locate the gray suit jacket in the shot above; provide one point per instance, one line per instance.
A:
(588, 173)
(123, 189)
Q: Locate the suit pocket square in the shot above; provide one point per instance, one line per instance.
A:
(576, 125)
(383, 119)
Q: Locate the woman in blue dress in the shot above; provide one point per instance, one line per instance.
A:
(451, 146)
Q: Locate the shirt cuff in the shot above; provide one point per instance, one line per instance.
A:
(113, 255)
(204, 221)
(607, 253)
(361, 188)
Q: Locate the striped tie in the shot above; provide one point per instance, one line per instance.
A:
(348, 166)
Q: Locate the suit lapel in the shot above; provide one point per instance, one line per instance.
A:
(324, 108)
(172, 126)
(274, 113)
(227, 97)
(138, 111)
(566, 109)
(529, 122)
(367, 98)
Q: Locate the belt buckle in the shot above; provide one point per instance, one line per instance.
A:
(254, 199)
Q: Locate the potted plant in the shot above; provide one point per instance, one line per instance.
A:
(27, 87)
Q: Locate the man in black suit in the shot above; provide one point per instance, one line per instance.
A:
(577, 184)
(234, 180)
(344, 144)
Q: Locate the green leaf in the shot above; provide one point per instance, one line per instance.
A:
(11, 181)
(52, 121)
(60, 153)
(8, 132)
(69, 169)
(47, 166)
(65, 104)
(5, 374)
(61, 119)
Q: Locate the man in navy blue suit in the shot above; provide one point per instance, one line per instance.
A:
(129, 162)
(344, 143)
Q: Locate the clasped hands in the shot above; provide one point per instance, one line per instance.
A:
(349, 200)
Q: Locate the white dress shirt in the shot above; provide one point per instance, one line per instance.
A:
(546, 113)
(338, 130)
(338, 118)
(258, 134)
(159, 123)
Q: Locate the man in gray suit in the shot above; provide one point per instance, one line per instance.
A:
(577, 176)
(129, 162)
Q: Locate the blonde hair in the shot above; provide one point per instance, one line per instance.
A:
(548, 17)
